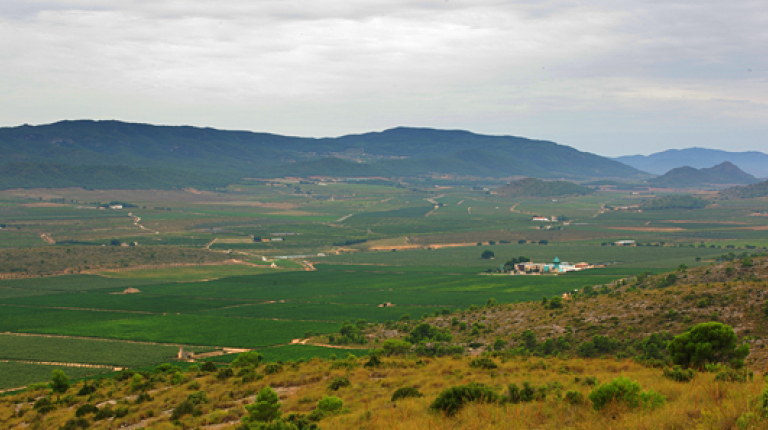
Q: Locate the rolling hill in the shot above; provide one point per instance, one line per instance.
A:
(747, 192)
(206, 151)
(531, 187)
(689, 177)
(752, 162)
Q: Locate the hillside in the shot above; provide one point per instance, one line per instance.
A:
(395, 152)
(731, 290)
(747, 192)
(531, 187)
(47, 175)
(725, 173)
(752, 162)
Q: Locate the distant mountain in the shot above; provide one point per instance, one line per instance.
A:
(752, 162)
(391, 153)
(531, 187)
(688, 177)
(747, 192)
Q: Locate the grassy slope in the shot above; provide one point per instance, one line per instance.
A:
(703, 404)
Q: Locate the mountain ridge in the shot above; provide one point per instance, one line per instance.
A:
(752, 162)
(725, 173)
(400, 151)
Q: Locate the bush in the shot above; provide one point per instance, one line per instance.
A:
(208, 366)
(85, 410)
(75, 423)
(272, 368)
(453, 399)
(733, 375)
(623, 390)
(679, 374)
(338, 383)
(373, 362)
(406, 392)
(86, 390)
(483, 363)
(224, 374)
(574, 398)
(104, 413)
(526, 394)
(327, 405)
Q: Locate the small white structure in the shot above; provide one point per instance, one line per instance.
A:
(116, 207)
(541, 219)
(624, 242)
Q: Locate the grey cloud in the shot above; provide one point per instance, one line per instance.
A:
(585, 73)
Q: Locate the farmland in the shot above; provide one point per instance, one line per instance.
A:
(210, 272)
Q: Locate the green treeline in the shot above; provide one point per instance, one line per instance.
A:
(676, 201)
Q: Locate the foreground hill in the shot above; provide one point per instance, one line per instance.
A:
(688, 177)
(205, 151)
(531, 187)
(752, 162)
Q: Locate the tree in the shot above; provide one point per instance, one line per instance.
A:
(59, 382)
(487, 254)
(266, 407)
(710, 342)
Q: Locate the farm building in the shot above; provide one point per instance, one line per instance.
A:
(541, 219)
(624, 242)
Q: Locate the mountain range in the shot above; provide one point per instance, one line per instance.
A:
(752, 162)
(723, 174)
(211, 154)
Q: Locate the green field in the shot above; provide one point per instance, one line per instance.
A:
(89, 351)
(14, 375)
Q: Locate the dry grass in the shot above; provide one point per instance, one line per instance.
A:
(702, 404)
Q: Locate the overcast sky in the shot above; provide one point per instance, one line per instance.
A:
(613, 77)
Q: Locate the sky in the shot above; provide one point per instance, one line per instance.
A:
(612, 77)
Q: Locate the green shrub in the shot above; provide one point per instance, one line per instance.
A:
(406, 392)
(483, 363)
(272, 368)
(104, 413)
(373, 362)
(624, 390)
(208, 367)
(327, 405)
(44, 405)
(75, 423)
(451, 400)
(679, 374)
(338, 383)
(526, 393)
(224, 374)
(734, 375)
(574, 398)
(86, 390)
(85, 410)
